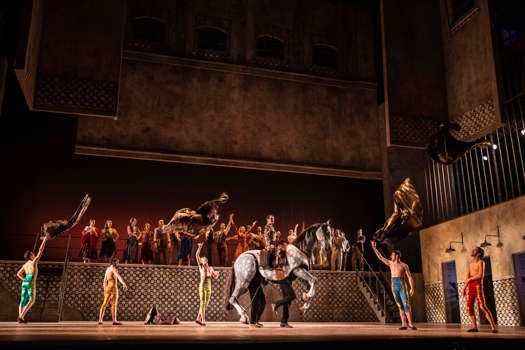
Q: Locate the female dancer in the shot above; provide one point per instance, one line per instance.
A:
(146, 255)
(242, 237)
(206, 274)
(131, 250)
(110, 237)
(85, 240)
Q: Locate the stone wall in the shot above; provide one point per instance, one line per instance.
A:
(435, 240)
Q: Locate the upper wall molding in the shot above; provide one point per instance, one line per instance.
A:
(247, 70)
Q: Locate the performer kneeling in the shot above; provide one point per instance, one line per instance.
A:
(110, 286)
(474, 286)
(206, 273)
(28, 274)
(397, 270)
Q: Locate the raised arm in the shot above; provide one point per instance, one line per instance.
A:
(410, 280)
(198, 255)
(295, 229)
(378, 254)
(229, 225)
(251, 228)
(41, 249)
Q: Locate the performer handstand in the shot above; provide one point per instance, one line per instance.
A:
(206, 273)
(473, 289)
(28, 274)
(397, 270)
(110, 286)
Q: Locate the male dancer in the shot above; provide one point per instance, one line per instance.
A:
(268, 253)
(28, 274)
(161, 240)
(473, 289)
(398, 270)
(110, 286)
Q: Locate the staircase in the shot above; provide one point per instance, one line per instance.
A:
(373, 287)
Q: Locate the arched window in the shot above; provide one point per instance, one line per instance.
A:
(211, 39)
(149, 29)
(324, 56)
(267, 46)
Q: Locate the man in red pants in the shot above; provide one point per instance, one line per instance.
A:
(474, 290)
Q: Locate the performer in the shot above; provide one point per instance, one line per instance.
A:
(206, 274)
(257, 239)
(268, 253)
(131, 250)
(110, 286)
(219, 237)
(110, 237)
(173, 247)
(28, 274)
(292, 234)
(346, 251)
(242, 237)
(160, 239)
(398, 270)
(473, 289)
(288, 297)
(86, 251)
(336, 257)
(93, 242)
(146, 252)
(186, 246)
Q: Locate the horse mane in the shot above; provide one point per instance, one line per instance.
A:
(301, 239)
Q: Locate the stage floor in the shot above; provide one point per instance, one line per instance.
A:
(84, 333)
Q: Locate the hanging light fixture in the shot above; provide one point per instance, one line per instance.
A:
(485, 243)
(450, 249)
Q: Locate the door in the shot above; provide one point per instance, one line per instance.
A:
(519, 268)
(450, 287)
(488, 290)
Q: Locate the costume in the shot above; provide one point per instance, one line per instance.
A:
(242, 244)
(288, 296)
(93, 241)
(207, 274)
(268, 254)
(186, 246)
(219, 237)
(146, 253)
(475, 291)
(400, 295)
(108, 244)
(28, 292)
(336, 254)
(132, 246)
(85, 240)
(110, 295)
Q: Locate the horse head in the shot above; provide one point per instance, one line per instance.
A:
(324, 235)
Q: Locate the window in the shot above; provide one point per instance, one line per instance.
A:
(148, 29)
(211, 39)
(324, 56)
(269, 47)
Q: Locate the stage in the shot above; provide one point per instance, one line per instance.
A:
(89, 334)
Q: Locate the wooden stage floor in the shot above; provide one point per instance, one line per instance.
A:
(91, 335)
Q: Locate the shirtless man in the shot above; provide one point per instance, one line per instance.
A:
(473, 289)
(110, 286)
(28, 274)
(398, 270)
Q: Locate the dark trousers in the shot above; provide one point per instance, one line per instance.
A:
(288, 297)
(222, 251)
(161, 255)
(259, 300)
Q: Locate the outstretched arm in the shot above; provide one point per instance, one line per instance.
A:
(295, 229)
(251, 228)
(378, 254)
(41, 250)
(198, 254)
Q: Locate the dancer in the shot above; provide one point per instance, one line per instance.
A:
(88, 236)
(131, 250)
(336, 257)
(288, 296)
(186, 246)
(219, 238)
(146, 252)
(28, 274)
(398, 270)
(242, 237)
(160, 237)
(292, 234)
(473, 289)
(110, 286)
(110, 237)
(257, 239)
(267, 254)
(206, 274)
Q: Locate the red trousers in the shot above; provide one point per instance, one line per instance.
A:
(475, 291)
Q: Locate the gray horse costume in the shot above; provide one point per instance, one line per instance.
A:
(248, 275)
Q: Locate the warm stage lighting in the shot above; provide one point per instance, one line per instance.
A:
(494, 146)
(485, 158)
(523, 131)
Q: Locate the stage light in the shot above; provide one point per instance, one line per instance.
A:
(485, 243)
(450, 249)
(485, 158)
(494, 146)
(523, 132)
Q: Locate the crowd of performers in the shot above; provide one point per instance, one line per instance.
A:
(148, 245)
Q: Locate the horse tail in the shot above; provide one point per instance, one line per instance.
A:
(229, 290)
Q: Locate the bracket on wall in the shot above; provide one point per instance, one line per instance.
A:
(450, 249)
(488, 244)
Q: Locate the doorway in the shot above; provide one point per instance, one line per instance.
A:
(519, 268)
(450, 287)
(488, 290)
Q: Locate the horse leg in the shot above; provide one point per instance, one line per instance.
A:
(240, 289)
(311, 280)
